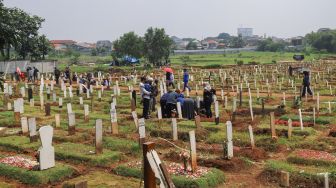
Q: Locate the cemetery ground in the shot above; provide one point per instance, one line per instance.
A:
(261, 135)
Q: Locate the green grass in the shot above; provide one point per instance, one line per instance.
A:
(52, 175)
(80, 153)
(122, 145)
(18, 143)
(301, 176)
(213, 178)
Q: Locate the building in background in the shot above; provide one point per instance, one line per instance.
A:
(245, 32)
(62, 45)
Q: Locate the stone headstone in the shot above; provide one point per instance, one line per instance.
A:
(69, 108)
(99, 136)
(114, 122)
(272, 124)
(32, 129)
(47, 109)
(216, 112)
(229, 139)
(86, 112)
(72, 123)
(179, 110)
(46, 152)
(174, 129)
(284, 179)
(142, 130)
(57, 120)
(135, 118)
(159, 112)
(81, 100)
(24, 125)
(60, 102)
(301, 121)
(193, 150)
(289, 123)
(251, 136)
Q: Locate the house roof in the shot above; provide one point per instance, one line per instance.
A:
(66, 42)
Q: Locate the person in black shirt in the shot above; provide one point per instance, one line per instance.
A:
(208, 99)
(306, 84)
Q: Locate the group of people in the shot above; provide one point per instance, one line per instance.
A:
(31, 74)
(168, 101)
(148, 91)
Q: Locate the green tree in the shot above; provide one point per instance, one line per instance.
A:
(157, 46)
(237, 42)
(270, 45)
(322, 41)
(191, 46)
(18, 29)
(129, 44)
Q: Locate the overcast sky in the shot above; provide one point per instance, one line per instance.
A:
(92, 20)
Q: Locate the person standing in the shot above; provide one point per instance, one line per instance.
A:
(57, 74)
(35, 73)
(145, 95)
(207, 99)
(306, 84)
(185, 79)
(155, 92)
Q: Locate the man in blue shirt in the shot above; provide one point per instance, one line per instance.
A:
(185, 79)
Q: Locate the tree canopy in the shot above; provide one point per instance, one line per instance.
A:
(129, 44)
(325, 40)
(157, 46)
(19, 31)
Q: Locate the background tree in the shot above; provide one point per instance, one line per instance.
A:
(237, 42)
(270, 45)
(157, 46)
(191, 46)
(18, 30)
(322, 41)
(129, 44)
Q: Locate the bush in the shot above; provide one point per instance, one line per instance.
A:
(240, 62)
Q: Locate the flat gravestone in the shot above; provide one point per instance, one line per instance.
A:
(46, 152)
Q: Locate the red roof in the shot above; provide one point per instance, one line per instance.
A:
(66, 42)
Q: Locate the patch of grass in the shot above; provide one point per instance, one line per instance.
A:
(18, 143)
(298, 160)
(122, 145)
(319, 120)
(55, 174)
(213, 178)
(79, 153)
(301, 176)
